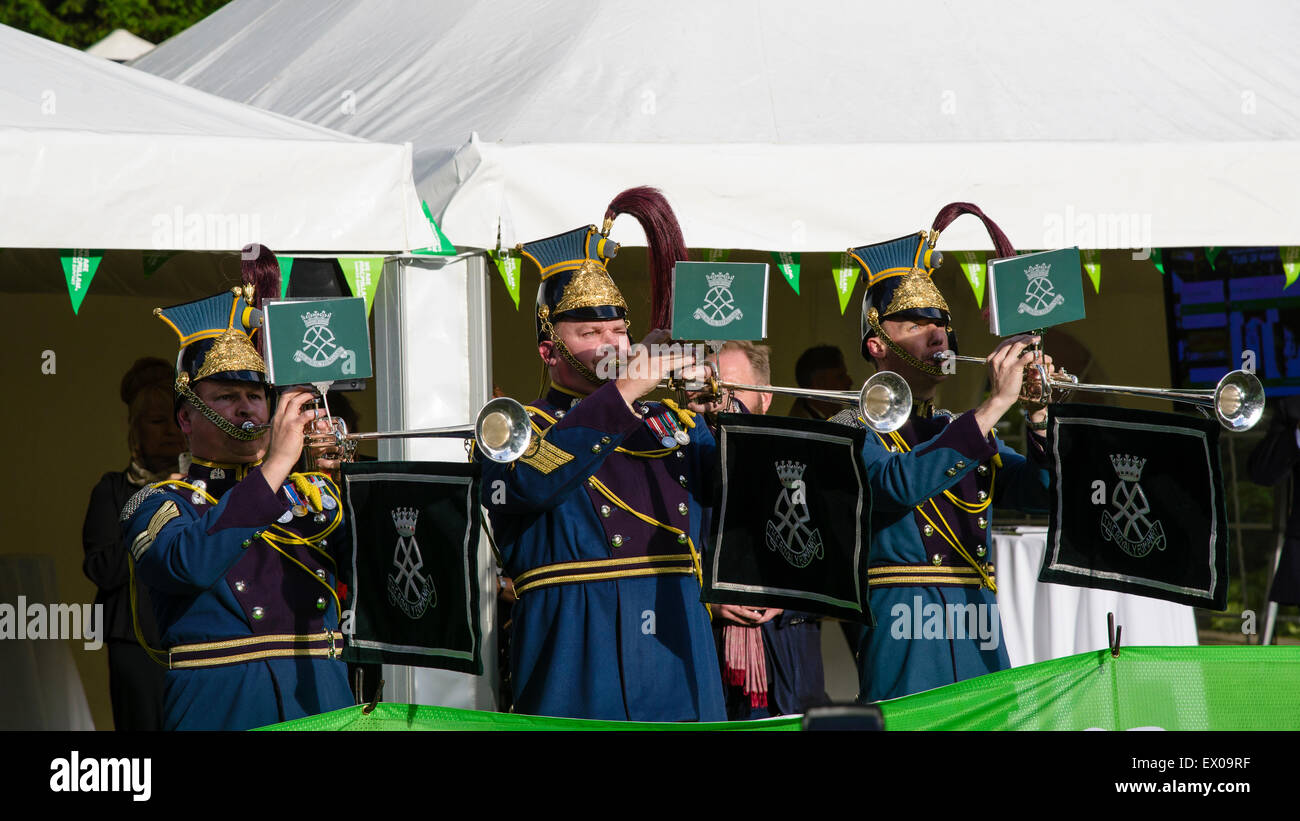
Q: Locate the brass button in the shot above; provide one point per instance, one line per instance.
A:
(680, 455)
(927, 530)
(980, 551)
(960, 464)
(239, 587)
(605, 511)
(247, 542)
(559, 414)
(936, 560)
(682, 479)
(324, 543)
(258, 613)
(951, 471)
(320, 603)
(982, 522)
(681, 538)
(683, 509)
(982, 470)
(604, 440)
(893, 449)
(617, 541)
(320, 573)
(595, 448)
(981, 495)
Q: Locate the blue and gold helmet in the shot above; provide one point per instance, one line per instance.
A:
(215, 337)
(899, 286)
(576, 284)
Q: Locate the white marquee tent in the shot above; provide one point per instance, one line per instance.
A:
(798, 126)
(98, 155)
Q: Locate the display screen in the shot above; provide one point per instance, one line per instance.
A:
(1217, 312)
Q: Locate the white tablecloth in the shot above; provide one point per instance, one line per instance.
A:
(1047, 621)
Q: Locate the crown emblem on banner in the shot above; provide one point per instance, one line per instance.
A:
(719, 279)
(789, 472)
(315, 319)
(1038, 271)
(404, 518)
(1128, 468)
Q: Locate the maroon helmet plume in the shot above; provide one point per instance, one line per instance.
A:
(259, 267)
(664, 242)
(952, 211)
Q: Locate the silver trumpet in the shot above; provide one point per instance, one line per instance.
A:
(1237, 400)
(884, 402)
(502, 432)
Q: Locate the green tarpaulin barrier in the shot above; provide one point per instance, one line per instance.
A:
(425, 717)
(1171, 688)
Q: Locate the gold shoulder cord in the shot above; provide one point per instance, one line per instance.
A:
(283, 537)
(946, 532)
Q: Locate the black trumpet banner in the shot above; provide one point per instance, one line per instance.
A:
(1137, 504)
(794, 520)
(413, 573)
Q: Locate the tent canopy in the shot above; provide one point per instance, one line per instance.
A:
(798, 126)
(98, 155)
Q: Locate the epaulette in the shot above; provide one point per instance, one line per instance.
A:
(133, 504)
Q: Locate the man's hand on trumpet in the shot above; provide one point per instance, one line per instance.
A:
(1009, 380)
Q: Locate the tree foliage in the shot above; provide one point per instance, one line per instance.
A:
(80, 23)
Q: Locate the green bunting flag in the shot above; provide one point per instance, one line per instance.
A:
(1158, 260)
(1212, 255)
(1290, 264)
(151, 262)
(974, 266)
(510, 268)
(845, 275)
(286, 266)
(444, 246)
(788, 264)
(715, 254)
(1092, 264)
(79, 266)
(362, 274)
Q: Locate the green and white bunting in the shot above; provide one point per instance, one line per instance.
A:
(1290, 264)
(444, 246)
(845, 275)
(975, 268)
(510, 268)
(1092, 264)
(1212, 255)
(362, 274)
(286, 268)
(787, 262)
(1158, 260)
(79, 267)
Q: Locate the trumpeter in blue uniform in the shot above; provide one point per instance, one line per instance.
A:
(598, 523)
(236, 555)
(935, 480)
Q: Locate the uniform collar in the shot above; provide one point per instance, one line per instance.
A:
(219, 476)
(562, 397)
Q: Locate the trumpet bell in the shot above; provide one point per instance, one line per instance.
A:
(503, 430)
(1239, 400)
(885, 402)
